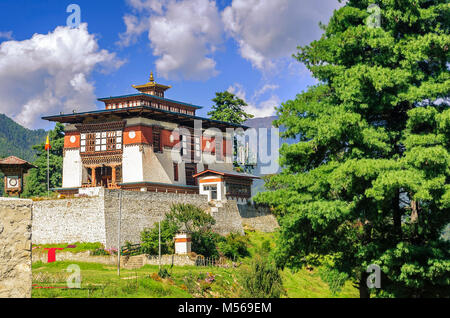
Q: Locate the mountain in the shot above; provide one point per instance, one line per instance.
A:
(261, 122)
(271, 167)
(18, 141)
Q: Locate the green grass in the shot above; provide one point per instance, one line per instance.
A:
(80, 247)
(102, 281)
(306, 284)
(303, 283)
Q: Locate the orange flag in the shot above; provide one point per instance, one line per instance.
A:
(47, 144)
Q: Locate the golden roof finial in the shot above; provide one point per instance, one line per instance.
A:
(152, 80)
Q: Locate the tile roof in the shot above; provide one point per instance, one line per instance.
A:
(13, 160)
(227, 173)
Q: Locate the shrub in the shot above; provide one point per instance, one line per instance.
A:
(163, 273)
(99, 252)
(188, 217)
(262, 279)
(205, 243)
(150, 238)
(234, 246)
(265, 247)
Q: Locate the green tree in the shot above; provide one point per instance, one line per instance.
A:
(234, 246)
(369, 181)
(150, 238)
(36, 181)
(229, 108)
(189, 218)
(182, 217)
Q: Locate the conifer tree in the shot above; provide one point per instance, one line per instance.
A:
(36, 181)
(369, 181)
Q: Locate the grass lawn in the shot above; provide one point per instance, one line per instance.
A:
(102, 281)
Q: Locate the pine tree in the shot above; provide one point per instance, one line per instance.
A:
(369, 181)
(229, 108)
(36, 182)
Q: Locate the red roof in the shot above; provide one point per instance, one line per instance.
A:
(226, 173)
(16, 161)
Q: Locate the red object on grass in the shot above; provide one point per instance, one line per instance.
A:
(51, 255)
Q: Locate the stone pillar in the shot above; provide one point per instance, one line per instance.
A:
(15, 248)
(182, 243)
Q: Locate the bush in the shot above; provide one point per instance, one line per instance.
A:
(163, 273)
(99, 252)
(188, 217)
(205, 243)
(234, 246)
(262, 280)
(150, 239)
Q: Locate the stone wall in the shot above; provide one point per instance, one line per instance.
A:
(227, 217)
(96, 219)
(178, 260)
(140, 210)
(76, 257)
(258, 218)
(69, 221)
(15, 248)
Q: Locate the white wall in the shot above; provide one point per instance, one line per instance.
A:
(72, 169)
(132, 165)
(220, 188)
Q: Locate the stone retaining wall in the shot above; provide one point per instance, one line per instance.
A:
(96, 219)
(258, 218)
(15, 248)
(69, 220)
(76, 257)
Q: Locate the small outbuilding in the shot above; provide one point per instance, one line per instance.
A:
(221, 185)
(14, 169)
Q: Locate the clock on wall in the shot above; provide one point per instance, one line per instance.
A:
(13, 182)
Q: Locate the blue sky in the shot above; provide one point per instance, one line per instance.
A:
(198, 46)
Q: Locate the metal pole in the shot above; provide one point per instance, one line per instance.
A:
(118, 232)
(48, 172)
(159, 242)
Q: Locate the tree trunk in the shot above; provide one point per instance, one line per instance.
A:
(397, 214)
(414, 211)
(363, 289)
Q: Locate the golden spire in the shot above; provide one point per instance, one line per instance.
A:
(152, 87)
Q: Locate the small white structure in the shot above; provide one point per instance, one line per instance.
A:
(182, 243)
(222, 185)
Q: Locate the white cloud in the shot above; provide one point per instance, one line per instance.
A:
(6, 35)
(268, 31)
(48, 74)
(183, 35)
(266, 88)
(256, 106)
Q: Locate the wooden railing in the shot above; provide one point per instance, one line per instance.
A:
(131, 250)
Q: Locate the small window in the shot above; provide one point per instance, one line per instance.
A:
(156, 140)
(175, 171)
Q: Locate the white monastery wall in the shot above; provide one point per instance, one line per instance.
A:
(72, 169)
(132, 165)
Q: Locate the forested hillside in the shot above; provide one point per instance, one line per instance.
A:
(16, 140)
